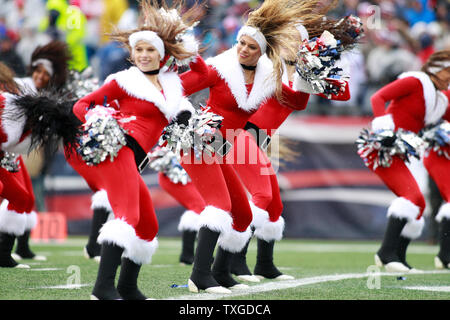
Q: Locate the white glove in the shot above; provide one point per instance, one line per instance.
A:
(383, 123)
(302, 85)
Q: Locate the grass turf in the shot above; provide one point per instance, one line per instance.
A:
(316, 265)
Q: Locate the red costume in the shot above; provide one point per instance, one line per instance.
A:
(236, 101)
(16, 211)
(144, 112)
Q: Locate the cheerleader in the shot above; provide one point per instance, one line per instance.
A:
(415, 101)
(147, 96)
(48, 71)
(259, 177)
(239, 81)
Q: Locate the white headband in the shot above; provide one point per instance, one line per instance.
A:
(303, 32)
(440, 66)
(256, 35)
(47, 64)
(149, 37)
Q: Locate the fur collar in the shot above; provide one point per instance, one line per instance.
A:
(435, 101)
(11, 126)
(134, 82)
(229, 69)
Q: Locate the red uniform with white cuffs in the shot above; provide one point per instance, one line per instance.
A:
(257, 172)
(217, 181)
(16, 210)
(414, 103)
(144, 112)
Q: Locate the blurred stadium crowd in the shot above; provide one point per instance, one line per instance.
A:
(399, 36)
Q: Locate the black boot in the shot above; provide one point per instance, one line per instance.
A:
(444, 242)
(239, 262)
(104, 288)
(99, 217)
(201, 276)
(127, 285)
(6, 246)
(23, 250)
(221, 269)
(187, 246)
(388, 251)
(264, 261)
(403, 244)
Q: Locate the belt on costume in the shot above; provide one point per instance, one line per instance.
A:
(260, 135)
(220, 145)
(140, 156)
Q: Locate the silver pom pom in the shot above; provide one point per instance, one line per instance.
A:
(437, 138)
(165, 161)
(378, 148)
(102, 136)
(198, 135)
(316, 64)
(81, 84)
(10, 162)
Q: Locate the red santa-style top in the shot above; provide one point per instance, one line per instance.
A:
(232, 98)
(144, 110)
(410, 109)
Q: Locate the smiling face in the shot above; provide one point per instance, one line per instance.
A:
(145, 56)
(40, 77)
(248, 51)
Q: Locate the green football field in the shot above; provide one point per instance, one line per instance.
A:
(323, 270)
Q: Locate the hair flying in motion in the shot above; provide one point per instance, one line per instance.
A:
(170, 24)
(275, 19)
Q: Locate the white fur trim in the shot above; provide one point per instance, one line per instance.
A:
(215, 219)
(255, 34)
(11, 126)
(31, 220)
(229, 69)
(100, 200)
(11, 221)
(403, 208)
(234, 241)
(444, 212)
(413, 228)
(142, 251)
(435, 102)
(271, 230)
(134, 82)
(151, 38)
(260, 216)
(120, 233)
(189, 221)
(383, 122)
(23, 147)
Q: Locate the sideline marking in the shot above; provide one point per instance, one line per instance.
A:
(430, 288)
(65, 286)
(287, 284)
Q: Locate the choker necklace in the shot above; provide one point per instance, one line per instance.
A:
(151, 72)
(248, 67)
(289, 62)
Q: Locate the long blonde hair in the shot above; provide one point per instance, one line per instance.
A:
(275, 19)
(168, 22)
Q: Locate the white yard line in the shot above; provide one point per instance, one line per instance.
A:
(281, 285)
(429, 288)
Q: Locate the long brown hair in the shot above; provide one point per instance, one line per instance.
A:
(7, 82)
(436, 60)
(158, 17)
(58, 53)
(275, 19)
